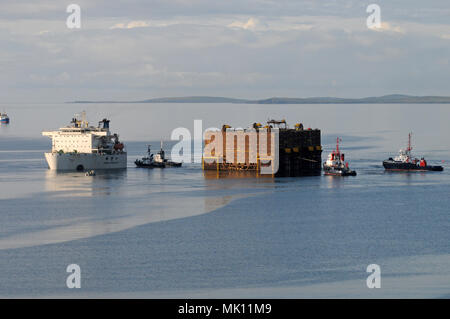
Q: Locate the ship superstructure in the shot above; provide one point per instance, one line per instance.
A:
(81, 147)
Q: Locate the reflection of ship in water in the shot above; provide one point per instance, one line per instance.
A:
(237, 184)
(228, 186)
(72, 184)
(209, 174)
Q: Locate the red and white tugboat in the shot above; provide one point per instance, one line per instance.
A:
(336, 165)
(404, 161)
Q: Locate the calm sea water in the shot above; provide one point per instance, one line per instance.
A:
(176, 233)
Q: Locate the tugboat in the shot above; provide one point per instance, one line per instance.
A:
(4, 119)
(158, 160)
(161, 161)
(336, 165)
(146, 162)
(404, 161)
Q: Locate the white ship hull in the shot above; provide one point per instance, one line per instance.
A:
(85, 161)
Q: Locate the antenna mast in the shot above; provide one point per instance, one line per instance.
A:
(409, 142)
(337, 145)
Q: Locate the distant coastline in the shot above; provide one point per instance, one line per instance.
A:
(385, 99)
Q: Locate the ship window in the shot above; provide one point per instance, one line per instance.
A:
(106, 158)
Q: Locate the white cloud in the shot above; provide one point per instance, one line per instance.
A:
(214, 51)
(387, 27)
(250, 24)
(130, 25)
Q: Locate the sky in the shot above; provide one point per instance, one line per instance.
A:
(139, 49)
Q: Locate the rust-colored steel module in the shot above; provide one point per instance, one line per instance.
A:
(297, 151)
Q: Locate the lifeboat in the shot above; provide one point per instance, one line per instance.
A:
(118, 146)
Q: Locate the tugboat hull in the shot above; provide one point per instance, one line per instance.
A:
(141, 164)
(156, 164)
(334, 172)
(173, 164)
(400, 166)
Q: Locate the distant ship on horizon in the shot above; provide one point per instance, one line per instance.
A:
(4, 119)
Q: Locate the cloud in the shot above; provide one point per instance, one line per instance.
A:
(247, 48)
(130, 25)
(387, 27)
(250, 24)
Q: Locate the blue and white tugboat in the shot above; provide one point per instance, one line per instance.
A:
(336, 165)
(404, 161)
